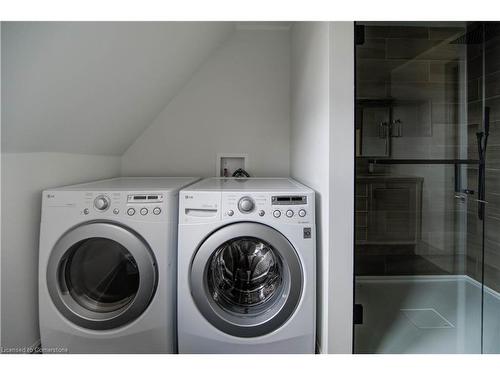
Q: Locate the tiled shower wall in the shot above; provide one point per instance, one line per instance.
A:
(424, 64)
(492, 216)
(419, 65)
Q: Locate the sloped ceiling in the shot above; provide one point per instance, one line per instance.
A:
(93, 87)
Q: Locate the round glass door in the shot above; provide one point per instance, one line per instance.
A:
(101, 275)
(246, 279)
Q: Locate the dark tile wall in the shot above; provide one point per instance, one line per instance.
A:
(491, 83)
(420, 63)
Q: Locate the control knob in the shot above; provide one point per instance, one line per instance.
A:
(101, 203)
(246, 204)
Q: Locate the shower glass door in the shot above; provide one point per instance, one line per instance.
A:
(426, 253)
(490, 108)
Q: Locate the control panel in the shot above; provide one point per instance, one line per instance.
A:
(283, 208)
(143, 205)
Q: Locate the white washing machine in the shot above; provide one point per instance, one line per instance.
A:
(107, 266)
(246, 276)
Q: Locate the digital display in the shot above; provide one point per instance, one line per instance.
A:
(287, 199)
(145, 198)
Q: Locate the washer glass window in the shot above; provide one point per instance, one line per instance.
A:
(245, 276)
(246, 279)
(101, 275)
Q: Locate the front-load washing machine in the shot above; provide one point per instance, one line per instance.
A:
(246, 276)
(107, 266)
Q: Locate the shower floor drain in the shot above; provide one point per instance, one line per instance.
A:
(427, 318)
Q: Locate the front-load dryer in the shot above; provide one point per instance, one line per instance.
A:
(246, 274)
(107, 266)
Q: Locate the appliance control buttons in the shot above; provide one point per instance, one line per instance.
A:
(144, 211)
(116, 211)
(157, 210)
(261, 213)
(289, 213)
(302, 213)
(230, 213)
(86, 211)
(276, 213)
(101, 203)
(131, 211)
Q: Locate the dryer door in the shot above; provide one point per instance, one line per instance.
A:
(101, 275)
(246, 279)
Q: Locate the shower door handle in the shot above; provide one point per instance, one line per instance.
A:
(482, 143)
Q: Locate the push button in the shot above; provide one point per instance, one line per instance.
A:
(131, 212)
(144, 211)
(289, 213)
(276, 213)
(157, 210)
(302, 213)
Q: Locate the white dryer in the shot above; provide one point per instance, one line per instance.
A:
(246, 276)
(107, 266)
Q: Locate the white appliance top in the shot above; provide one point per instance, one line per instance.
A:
(248, 184)
(133, 183)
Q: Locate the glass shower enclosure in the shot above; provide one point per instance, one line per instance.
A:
(427, 197)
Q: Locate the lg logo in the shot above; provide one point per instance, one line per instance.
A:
(188, 197)
(50, 196)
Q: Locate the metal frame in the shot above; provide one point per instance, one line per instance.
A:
(240, 324)
(71, 309)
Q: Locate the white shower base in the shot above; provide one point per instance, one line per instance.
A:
(425, 314)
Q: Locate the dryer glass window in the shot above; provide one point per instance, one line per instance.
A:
(101, 275)
(245, 276)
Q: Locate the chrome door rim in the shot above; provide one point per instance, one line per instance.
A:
(75, 312)
(247, 326)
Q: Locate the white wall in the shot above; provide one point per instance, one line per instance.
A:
(99, 84)
(341, 202)
(24, 176)
(237, 102)
(309, 141)
(322, 107)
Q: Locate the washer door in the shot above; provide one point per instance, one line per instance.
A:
(101, 275)
(246, 279)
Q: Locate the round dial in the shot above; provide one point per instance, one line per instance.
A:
(246, 204)
(101, 203)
